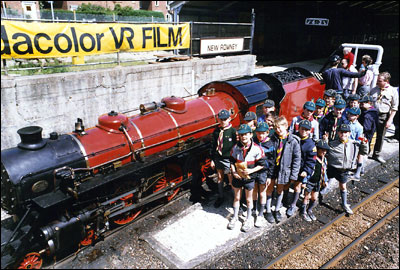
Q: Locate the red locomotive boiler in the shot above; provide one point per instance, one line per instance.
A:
(68, 190)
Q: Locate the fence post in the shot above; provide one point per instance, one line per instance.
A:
(4, 8)
(253, 23)
(5, 67)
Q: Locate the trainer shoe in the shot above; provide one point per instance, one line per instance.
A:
(232, 223)
(379, 159)
(347, 209)
(306, 217)
(247, 225)
(270, 217)
(311, 215)
(278, 216)
(290, 211)
(218, 202)
(260, 222)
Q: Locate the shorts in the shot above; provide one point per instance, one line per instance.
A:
(339, 174)
(261, 178)
(223, 164)
(311, 186)
(239, 183)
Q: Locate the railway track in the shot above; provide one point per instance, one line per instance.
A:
(331, 243)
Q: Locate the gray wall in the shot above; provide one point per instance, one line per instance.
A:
(55, 101)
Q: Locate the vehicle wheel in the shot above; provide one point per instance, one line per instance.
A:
(131, 215)
(31, 260)
(173, 176)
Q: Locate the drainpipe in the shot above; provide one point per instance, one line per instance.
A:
(378, 62)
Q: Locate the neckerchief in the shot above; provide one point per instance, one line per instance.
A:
(280, 148)
(333, 134)
(221, 138)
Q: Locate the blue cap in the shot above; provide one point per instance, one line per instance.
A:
(354, 97)
(344, 127)
(244, 128)
(330, 93)
(365, 98)
(334, 58)
(223, 114)
(305, 124)
(309, 105)
(323, 145)
(354, 110)
(269, 103)
(320, 102)
(340, 103)
(250, 116)
(262, 127)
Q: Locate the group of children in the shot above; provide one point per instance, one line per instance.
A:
(266, 154)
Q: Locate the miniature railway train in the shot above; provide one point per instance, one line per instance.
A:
(67, 190)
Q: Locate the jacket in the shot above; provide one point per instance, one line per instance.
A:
(289, 167)
(229, 140)
(333, 77)
(327, 122)
(344, 155)
(369, 120)
(308, 156)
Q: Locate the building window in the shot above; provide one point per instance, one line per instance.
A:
(157, 3)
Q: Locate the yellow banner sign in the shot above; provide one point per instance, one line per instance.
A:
(38, 40)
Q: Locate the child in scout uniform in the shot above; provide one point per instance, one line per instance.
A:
(356, 134)
(250, 118)
(262, 180)
(287, 155)
(319, 109)
(329, 97)
(329, 124)
(369, 119)
(223, 139)
(247, 158)
(268, 106)
(308, 159)
(308, 110)
(342, 159)
(353, 101)
(318, 178)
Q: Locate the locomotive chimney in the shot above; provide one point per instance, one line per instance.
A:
(31, 138)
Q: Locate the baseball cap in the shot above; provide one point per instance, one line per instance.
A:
(340, 103)
(323, 145)
(309, 105)
(320, 102)
(305, 124)
(354, 97)
(223, 114)
(244, 128)
(269, 103)
(344, 127)
(354, 110)
(365, 98)
(334, 58)
(330, 93)
(262, 127)
(250, 116)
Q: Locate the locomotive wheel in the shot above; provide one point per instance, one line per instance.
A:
(90, 236)
(205, 167)
(131, 215)
(173, 175)
(31, 260)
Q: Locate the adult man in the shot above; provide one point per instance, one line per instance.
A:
(386, 100)
(333, 76)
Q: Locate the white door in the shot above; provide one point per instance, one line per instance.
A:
(29, 9)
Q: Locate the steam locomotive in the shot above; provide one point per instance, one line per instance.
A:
(67, 190)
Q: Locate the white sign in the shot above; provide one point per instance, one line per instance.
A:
(224, 45)
(317, 21)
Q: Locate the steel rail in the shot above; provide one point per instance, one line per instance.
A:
(300, 246)
(342, 254)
